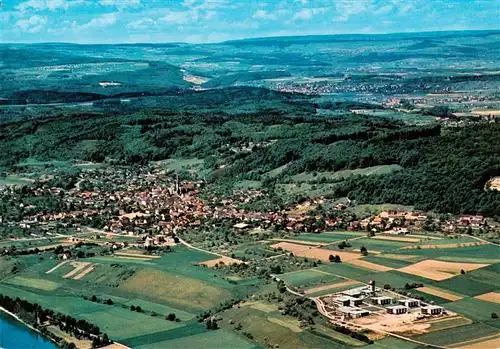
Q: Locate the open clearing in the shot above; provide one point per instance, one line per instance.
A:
(41, 284)
(301, 242)
(220, 339)
(80, 343)
(135, 255)
(308, 277)
(493, 297)
(494, 183)
(440, 293)
(134, 215)
(395, 238)
(400, 257)
(220, 261)
(262, 306)
(369, 265)
(438, 270)
(337, 285)
(176, 289)
(316, 253)
(292, 324)
(331, 176)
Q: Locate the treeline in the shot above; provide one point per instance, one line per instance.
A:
(37, 316)
(445, 174)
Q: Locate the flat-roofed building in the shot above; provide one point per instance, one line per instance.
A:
(353, 312)
(342, 300)
(347, 301)
(382, 300)
(409, 302)
(432, 310)
(397, 309)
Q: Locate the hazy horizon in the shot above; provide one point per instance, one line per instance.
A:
(409, 33)
(213, 21)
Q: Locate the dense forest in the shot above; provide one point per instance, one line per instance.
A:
(244, 133)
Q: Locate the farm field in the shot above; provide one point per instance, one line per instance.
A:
(41, 284)
(474, 308)
(377, 244)
(214, 339)
(457, 254)
(438, 270)
(369, 265)
(328, 237)
(279, 330)
(440, 293)
(387, 262)
(463, 285)
(457, 334)
(396, 238)
(330, 288)
(114, 320)
(160, 309)
(252, 251)
(345, 270)
(164, 286)
(394, 278)
(489, 275)
(442, 324)
(493, 297)
(308, 278)
(316, 253)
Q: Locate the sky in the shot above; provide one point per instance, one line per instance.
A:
(203, 21)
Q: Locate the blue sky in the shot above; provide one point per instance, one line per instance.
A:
(200, 21)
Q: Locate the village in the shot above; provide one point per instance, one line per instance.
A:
(154, 205)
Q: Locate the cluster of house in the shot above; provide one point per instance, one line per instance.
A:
(366, 300)
(152, 201)
(401, 222)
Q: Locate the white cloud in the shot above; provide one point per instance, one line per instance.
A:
(141, 24)
(307, 14)
(33, 24)
(383, 10)
(347, 8)
(120, 4)
(178, 17)
(51, 5)
(102, 21)
(263, 14)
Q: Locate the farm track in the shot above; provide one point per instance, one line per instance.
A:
(188, 245)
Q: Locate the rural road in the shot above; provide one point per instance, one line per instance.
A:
(188, 245)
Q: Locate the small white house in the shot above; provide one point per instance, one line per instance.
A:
(409, 302)
(382, 300)
(397, 310)
(432, 310)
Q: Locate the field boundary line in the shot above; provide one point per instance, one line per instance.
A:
(56, 267)
(474, 341)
